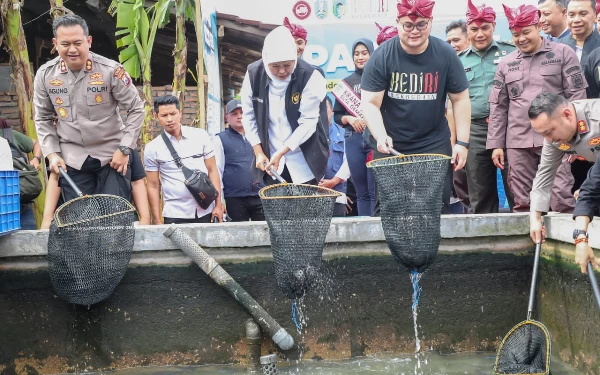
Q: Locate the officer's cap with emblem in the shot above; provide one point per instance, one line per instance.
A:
(480, 14)
(522, 16)
(415, 9)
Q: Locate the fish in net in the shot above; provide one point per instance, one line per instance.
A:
(410, 194)
(526, 348)
(298, 217)
(89, 246)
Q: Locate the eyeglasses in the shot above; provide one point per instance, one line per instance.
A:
(408, 27)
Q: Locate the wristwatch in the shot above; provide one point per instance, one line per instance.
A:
(38, 158)
(125, 150)
(577, 232)
(464, 144)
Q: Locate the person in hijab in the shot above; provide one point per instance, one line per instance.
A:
(299, 33)
(280, 101)
(347, 114)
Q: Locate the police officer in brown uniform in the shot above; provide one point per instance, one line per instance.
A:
(568, 128)
(85, 90)
(537, 66)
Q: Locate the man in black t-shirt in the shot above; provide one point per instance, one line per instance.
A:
(404, 88)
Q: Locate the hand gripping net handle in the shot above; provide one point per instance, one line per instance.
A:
(210, 266)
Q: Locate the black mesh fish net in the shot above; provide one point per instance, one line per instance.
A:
(89, 247)
(410, 194)
(298, 217)
(525, 350)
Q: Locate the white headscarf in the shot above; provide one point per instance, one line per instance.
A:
(279, 46)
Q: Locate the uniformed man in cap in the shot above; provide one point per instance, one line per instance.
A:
(568, 128)
(85, 90)
(480, 60)
(538, 65)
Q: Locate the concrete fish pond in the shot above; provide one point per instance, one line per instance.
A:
(166, 311)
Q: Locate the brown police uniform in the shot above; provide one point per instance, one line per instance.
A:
(90, 128)
(585, 146)
(519, 79)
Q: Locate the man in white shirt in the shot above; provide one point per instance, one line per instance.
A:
(196, 151)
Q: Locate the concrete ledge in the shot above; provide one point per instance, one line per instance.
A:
(256, 234)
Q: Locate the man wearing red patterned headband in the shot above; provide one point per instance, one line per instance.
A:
(299, 33)
(480, 61)
(404, 88)
(538, 65)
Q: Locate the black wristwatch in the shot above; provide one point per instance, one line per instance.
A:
(464, 144)
(125, 150)
(577, 232)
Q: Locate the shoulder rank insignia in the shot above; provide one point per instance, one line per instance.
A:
(564, 147)
(63, 66)
(56, 82)
(594, 141)
(88, 65)
(583, 127)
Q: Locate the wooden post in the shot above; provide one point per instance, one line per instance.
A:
(201, 112)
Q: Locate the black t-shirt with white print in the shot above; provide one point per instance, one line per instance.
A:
(416, 86)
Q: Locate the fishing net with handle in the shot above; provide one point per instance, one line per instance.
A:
(89, 246)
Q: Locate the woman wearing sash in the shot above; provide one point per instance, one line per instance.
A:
(347, 114)
(280, 102)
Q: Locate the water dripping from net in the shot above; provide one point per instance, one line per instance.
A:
(415, 277)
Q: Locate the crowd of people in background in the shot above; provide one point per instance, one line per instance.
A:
(524, 107)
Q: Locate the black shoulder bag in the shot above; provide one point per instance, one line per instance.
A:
(196, 181)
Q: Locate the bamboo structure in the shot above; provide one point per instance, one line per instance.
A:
(201, 111)
(180, 51)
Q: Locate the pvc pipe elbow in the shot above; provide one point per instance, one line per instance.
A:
(283, 339)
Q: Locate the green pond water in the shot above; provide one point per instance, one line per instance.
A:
(431, 364)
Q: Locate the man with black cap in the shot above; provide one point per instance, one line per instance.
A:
(234, 157)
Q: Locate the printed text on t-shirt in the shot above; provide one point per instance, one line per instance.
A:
(413, 86)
